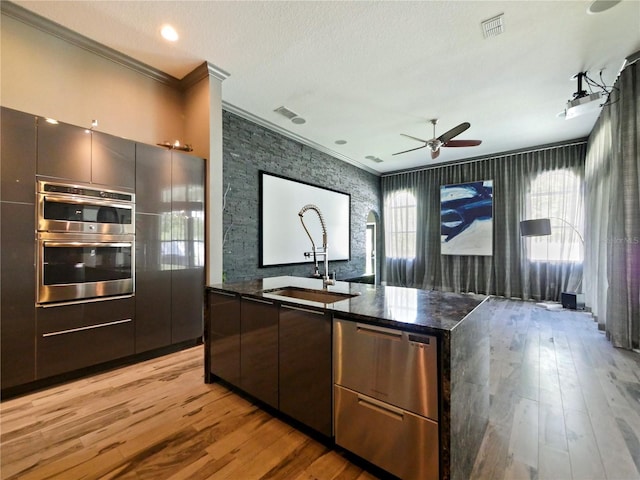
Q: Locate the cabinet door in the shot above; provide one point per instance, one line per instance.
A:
(153, 282)
(305, 367)
(153, 179)
(17, 294)
(187, 246)
(259, 349)
(112, 161)
(64, 151)
(18, 156)
(71, 337)
(224, 336)
(187, 304)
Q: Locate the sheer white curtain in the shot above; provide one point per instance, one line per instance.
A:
(507, 272)
(612, 270)
(553, 263)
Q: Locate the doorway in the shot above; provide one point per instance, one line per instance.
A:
(370, 247)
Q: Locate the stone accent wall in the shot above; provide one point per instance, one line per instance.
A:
(249, 148)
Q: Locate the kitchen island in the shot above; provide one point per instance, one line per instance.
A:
(250, 344)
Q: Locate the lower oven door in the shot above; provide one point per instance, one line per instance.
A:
(79, 266)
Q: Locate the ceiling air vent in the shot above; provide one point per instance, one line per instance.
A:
(493, 26)
(285, 112)
(373, 159)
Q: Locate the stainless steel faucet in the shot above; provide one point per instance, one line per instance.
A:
(315, 251)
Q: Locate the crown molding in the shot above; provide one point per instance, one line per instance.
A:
(52, 28)
(202, 71)
(293, 136)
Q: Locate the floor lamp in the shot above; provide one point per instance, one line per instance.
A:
(542, 227)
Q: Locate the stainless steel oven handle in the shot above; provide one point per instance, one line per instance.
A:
(47, 243)
(81, 201)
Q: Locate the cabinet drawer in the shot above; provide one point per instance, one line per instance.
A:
(398, 441)
(71, 337)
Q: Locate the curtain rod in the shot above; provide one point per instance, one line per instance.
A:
(489, 157)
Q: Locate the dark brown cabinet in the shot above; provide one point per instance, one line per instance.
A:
(224, 336)
(153, 284)
(17, 244)
(112, 161)
(169, 247)
(18, 165)
(305, 377)
(76, 336)
(187, 246)
(76, 154)
(259, 349)
(64, 151)
(280, 354)
(17, 294)
(153, 180)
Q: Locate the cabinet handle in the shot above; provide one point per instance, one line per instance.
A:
(251, 299)
(302, 309)
(227, 294)
(381, 407)
(88, 327)
(78, 302)
(379, 331)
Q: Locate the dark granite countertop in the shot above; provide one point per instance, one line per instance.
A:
(426, 311)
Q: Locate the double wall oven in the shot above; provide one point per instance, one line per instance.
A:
(86, 243)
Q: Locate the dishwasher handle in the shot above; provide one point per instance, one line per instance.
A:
(381, 407)
(389, 333)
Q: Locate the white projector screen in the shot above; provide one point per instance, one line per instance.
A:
(283, 239)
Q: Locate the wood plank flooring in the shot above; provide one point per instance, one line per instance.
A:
(564, 405)
(156, 420)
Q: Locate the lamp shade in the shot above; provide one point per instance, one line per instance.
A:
(535, 228)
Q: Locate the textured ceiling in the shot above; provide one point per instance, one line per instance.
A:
(365, 71)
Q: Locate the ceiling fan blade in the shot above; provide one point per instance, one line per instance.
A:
(462, 143)
(435, 154)
(410, 150)
(414, 138)
(454, 132)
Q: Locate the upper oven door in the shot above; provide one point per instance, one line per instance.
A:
(91, 211)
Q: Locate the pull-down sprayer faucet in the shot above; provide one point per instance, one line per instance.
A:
(323, 251)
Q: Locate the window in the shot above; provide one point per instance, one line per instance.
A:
(557, 195)
(400, 207)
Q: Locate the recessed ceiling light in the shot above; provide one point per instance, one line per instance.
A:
(298, 120)
(340, 142)
(169, 33)
(52, 121)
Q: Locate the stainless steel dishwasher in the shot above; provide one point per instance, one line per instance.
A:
(386, 398)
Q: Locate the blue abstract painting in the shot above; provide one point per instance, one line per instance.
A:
(466, 218)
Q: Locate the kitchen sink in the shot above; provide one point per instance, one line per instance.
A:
(322, 296)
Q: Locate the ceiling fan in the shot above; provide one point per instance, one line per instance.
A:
(444, 140)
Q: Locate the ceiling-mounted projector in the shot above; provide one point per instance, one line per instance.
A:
(582, 101)
(582, 105)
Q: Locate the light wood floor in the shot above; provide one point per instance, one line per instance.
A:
(565, 405)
